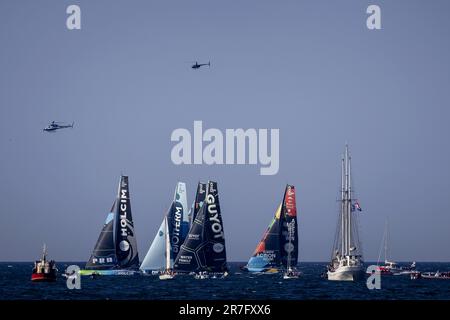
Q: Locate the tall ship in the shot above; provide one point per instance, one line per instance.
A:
(347, 257)
(44, 270)
(170, 235)
(278, 248)
(115, 252)
(204, 250)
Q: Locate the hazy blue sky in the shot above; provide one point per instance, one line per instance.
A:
(310, 68)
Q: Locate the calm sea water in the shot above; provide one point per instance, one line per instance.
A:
(15, 284)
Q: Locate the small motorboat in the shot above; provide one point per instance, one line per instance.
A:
(44, 270)
(291, 274)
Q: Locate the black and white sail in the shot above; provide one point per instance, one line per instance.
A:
(204, 247)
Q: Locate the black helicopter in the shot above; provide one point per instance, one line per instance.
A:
(197, 65)
(56, 126)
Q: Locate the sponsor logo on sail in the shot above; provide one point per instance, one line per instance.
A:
(267, 255)
(123, 213)
(216, 224)
(289, 247)
(193, 236)
(175, 241)
(124, 245)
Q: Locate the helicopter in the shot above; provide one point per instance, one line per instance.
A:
(53, 126)
(197, 65)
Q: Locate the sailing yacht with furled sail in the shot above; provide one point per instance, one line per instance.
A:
(278, 248)
(170, 235)
(115, 252)
(347, 260)
(203, 251)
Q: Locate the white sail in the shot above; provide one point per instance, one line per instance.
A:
(173, 229)
(155, 259)
(180, 196)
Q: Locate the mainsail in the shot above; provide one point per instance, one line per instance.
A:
(155, 259)
(174, 227)
(204, 247)
(116, 246)
(104, 254)
(277, 242)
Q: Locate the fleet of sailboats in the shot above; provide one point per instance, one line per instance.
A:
(192, 242)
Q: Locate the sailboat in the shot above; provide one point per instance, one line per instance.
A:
(290, 273)
(115, 252)
(278, 249)
(203, 252)
(168, 273)
(44, 270)
(170, 235)
(347, 260)
(390, 267)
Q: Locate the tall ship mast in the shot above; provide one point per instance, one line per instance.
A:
(170, 235)
(115, 252)
(347, 258)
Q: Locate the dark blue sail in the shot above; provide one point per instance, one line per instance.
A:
(104, 254)
(199, 200)
(289, 233)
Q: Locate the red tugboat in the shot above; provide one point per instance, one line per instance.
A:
(44, 271)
